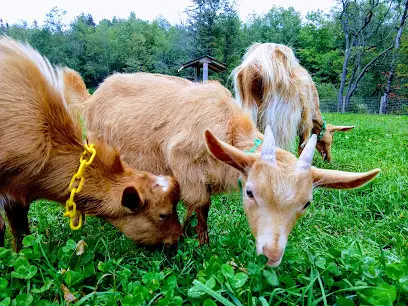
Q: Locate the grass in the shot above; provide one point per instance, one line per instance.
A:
(350, 248)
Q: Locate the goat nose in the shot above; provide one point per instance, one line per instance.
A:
(173, 239)
(273, 254)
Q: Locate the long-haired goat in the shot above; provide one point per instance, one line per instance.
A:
(171, 116)
(40, 148)
(276, 90)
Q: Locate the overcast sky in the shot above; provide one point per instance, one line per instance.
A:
(29, 10)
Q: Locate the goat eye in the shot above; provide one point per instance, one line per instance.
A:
(306, 205)
(249, 194)
(164, 216)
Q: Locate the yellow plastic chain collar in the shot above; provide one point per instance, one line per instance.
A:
(71, 212)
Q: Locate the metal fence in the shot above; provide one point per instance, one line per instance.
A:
(366, 106)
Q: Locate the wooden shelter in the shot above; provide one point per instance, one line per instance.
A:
(205, 62)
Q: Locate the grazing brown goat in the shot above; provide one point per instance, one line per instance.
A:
(171, 116)
(275, 89)
(40, 148)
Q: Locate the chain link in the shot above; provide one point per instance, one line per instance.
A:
(71, 212)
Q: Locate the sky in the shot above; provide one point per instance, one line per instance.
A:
(30, 10)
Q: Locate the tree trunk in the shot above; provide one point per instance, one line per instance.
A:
(353, 84)
(340, 97)
(386, 96)
(347, 54)
(394, 56)
(355, 39)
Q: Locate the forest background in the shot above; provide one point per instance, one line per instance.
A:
(359, 49)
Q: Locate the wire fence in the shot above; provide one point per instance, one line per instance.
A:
(366, 106)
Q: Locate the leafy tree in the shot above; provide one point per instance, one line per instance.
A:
(203, 15)
(279, 25)
(318, 49)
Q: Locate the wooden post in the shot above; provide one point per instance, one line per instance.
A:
(197, 73)
(205, 72)
(343, 105)
(382, 105)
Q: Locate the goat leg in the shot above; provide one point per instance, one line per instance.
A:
(202, 227)
(17, 215)
(2, 231)
(187, 224)
(303, 139)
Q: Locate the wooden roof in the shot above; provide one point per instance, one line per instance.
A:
(213, 64)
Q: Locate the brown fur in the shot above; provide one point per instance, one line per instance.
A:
(40, 146)
(168, 143)
(171, 115)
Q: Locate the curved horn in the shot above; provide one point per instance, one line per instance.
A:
(305, 159)
(268, 153)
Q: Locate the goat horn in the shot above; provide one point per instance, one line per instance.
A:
(268, 153)
(305, 159)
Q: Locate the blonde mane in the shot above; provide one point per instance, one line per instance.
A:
(276, 90)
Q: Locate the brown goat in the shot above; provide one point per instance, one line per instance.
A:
(326, 134)
(40, 147)
(275, 89)
(171, 116)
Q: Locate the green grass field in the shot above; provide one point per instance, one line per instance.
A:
(350, 248)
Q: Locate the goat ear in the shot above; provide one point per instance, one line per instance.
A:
(131, 198)
(340, 128)
(74, 87)
(341, 179)
(228, 154)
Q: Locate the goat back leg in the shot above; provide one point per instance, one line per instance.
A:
(201, 229)
(188, 222)
(17, 215)
(2, 231)
(202, 226)
(303, 139)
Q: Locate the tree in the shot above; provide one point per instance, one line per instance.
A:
(362, 22)
(351, 43)
(279, 25)
(54, 19)
(229, 42)
(396, 46)
(2, 27)
(203, 15)
(318, 47)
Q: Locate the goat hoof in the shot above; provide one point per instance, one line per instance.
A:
(203, 237)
